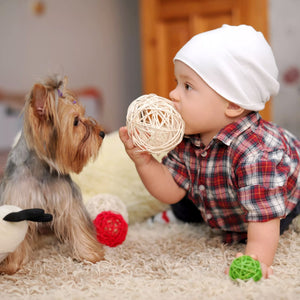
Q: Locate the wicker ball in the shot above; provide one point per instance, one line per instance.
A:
(110, 218)
(245, 268)
(106, 202)
(154, 124)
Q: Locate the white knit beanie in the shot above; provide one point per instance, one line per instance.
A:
(236, 62)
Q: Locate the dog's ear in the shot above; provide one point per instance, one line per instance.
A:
(39, 94)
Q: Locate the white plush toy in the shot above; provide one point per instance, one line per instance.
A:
(114, 173)
(14, 225)
(155, 126)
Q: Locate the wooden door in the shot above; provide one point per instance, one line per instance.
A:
(166, 25)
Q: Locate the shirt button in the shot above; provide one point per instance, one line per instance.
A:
(197, 143)
(204, 153)
(209, 216)
(201, 187)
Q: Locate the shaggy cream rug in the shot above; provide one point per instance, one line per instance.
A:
(177, 261)
(158, 262)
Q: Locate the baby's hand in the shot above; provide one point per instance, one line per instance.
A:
(139, 157)
(266, 270)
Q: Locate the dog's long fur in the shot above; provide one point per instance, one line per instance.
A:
(56, 139)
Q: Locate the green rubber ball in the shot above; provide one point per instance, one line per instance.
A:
(245, 268)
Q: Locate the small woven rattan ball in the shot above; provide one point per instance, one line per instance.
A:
(110, 218)
(154, 124)
(245, 268)
(106, 202)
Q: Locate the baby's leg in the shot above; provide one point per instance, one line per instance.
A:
(183, 211)
(285, 223)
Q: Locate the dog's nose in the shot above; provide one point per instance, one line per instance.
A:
(102, 134)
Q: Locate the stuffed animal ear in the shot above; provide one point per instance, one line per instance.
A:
(39, 94)
(33, 214)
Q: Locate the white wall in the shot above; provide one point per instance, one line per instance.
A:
(285, 41)
(94, 42)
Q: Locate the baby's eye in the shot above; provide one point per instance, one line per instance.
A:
(187, 86)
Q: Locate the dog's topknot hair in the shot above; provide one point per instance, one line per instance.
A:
(53, 82)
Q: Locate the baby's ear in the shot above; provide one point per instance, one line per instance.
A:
(233, 110)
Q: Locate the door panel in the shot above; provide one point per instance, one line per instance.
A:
(166, 25)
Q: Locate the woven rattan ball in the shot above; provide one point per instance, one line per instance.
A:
(245, 268)
(106, 202)
(110, 218)
(154, 124)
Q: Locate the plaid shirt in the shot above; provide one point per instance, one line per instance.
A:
(249, 172)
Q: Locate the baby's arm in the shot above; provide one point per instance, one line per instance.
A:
(155, 176)
(262, 243)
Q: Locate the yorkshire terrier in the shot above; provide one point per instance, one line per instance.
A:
(57, 139)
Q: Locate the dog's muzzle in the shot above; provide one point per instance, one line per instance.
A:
(102, 134)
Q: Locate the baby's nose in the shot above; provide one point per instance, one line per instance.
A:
(172, 95)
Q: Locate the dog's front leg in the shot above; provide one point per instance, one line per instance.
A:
(78, 230)
(83, 237)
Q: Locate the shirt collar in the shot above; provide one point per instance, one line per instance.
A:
(195, 139)
(232, 130)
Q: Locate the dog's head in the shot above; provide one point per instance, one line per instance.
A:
(57, 129)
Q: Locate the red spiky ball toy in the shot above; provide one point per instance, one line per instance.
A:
(111, 228)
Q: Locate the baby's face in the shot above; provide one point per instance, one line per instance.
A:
(202, 109)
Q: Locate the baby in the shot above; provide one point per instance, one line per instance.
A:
(233, 170)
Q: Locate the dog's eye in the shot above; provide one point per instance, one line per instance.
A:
(76, 121)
